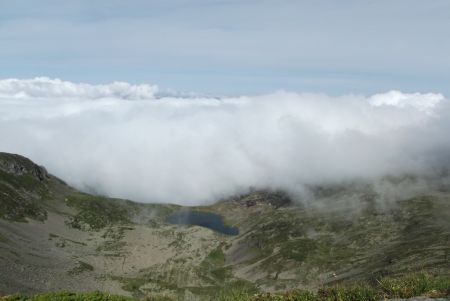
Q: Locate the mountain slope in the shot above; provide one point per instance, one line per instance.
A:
(53, 237)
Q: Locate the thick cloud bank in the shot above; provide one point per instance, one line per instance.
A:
(123, 140)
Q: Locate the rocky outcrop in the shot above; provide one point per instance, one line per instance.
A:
(18, 165)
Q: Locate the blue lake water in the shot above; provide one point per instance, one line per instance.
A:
(204, 219)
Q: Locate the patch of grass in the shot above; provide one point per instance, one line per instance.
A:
(386, 288)
(68, 296)
(81, 268)
(3, 239)
(17, 205)
(415, 285)
(212, 268)
(221, 274)
(132, 284)
(62, 242)
(352, 293)
(298, 295)
(115, 233)
(408, 237)
(158, 298)
(111, 246)
(96, 212)
(216, 256)
(274, 229)
(230, 289)
(52, 235)
(114, 241)
(26, 181)
(298, 249)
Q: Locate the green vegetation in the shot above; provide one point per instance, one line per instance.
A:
(212, 268)
(3, 239)
(132, 284)
(26, 182)
(63, 242)
(113, 244)
(415, 285)
(216, 257)
(17, 205)
(97, 212)
(81, 268)
(17, 160)
(279, 248)
(305, 244)
(386, 288)
(298, 249)
(212, 276)
(67, 296)
(22, 186)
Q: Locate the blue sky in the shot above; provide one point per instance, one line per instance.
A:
(232, 47)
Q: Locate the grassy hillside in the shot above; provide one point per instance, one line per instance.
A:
(28, 191)
(53, 237)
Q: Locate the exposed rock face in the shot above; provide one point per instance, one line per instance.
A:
(18, 165)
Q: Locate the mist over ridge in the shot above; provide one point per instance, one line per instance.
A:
(133, 141)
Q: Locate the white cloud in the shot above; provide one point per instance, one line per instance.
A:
(423, 102)
(192, 150)
(55, 88)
